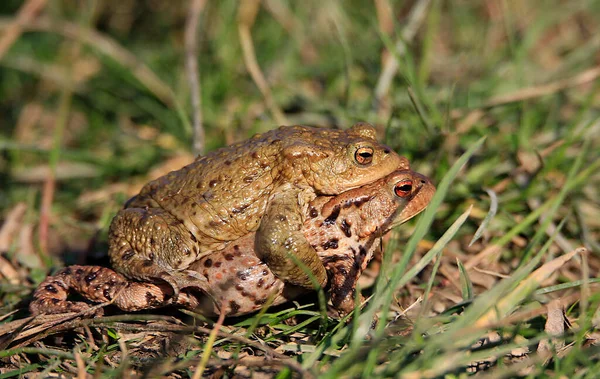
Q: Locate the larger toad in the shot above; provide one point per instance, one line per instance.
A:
(344, 230)
(261, 185)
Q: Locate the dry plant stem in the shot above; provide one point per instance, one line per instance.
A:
(522, 316)
(68, 368)
(292, 25)
(81, 374)
(585, 286)
(283, 15)
(246, 15)
(415, 19)
(385, 19)
(208, 346)
(491, 273)
(60, 323)
(551, 230)
(90, 338)
(11, 226)
(261, 362)
(26, 14)
(50, 182)
(106, 46)
(123, 348)
(45, 211)
(191, 66)
(7, 315)
(385, 16)
(532, 92)
(491, 251)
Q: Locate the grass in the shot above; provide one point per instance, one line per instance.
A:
(496, 101)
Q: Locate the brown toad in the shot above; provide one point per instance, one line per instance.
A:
(261, 185)
(344, 230)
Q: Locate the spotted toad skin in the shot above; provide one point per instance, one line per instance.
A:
(261, 185)
(345, 230)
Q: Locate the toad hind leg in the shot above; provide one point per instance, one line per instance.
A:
(281, 244)
(101, 284)
(150, 244)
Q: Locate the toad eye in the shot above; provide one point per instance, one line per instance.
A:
(403, 188)
(364, 155)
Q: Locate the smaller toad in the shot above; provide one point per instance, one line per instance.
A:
(345, 230)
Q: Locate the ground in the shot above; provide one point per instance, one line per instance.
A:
(496, 101)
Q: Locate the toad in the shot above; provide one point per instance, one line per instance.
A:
(344, 230)
(263, 186)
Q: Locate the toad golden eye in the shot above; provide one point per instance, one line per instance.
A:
(364, 155)
(403, 188)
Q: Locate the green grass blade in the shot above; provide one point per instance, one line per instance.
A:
(488, 217)
(466, 286)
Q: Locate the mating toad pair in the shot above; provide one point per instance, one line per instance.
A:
(274, 216)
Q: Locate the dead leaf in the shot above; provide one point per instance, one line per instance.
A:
(524, 289)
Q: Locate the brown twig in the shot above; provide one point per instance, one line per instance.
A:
(283, 15)
(208, 346)
(390, 68)
(26, 14)
(81, 374)
(246, 15)
(62, 119)
(385, 19)
(385, 16)
(45, 212)
(191, 66)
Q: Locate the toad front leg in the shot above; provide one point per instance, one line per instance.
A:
(150, 244)
(281, 244)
